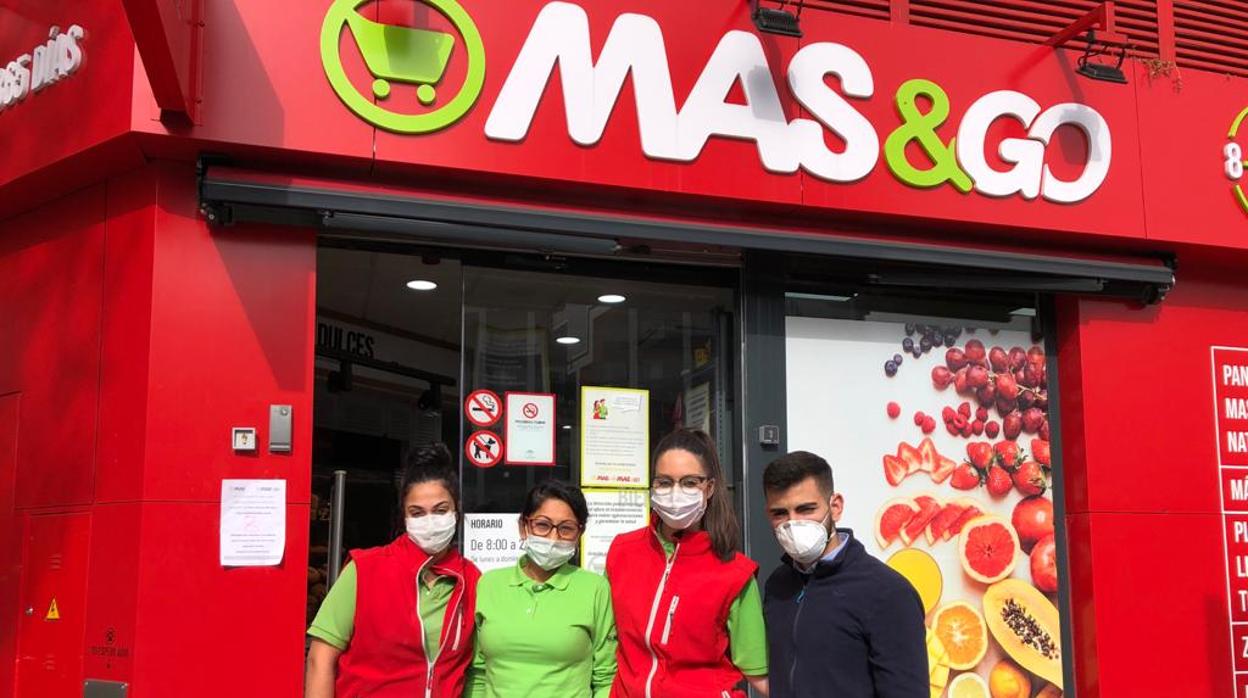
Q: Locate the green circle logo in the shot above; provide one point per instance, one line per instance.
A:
(1233, 160)
(405, 55)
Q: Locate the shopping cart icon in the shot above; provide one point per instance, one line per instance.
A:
(402, 54)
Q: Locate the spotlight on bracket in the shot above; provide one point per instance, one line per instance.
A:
(778, 20)
(1094, 70)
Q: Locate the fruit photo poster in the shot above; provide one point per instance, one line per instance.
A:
(938, 439)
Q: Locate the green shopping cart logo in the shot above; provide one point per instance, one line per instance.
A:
(400, 58)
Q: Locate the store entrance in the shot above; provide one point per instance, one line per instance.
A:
(405, 335)
(387, 380)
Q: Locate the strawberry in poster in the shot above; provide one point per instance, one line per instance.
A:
(938, 436)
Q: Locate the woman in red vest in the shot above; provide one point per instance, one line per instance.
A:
(399, 620)
(687, 607)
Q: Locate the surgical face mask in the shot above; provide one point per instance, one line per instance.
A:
(678, 508)
(804, 540)
(548, 554)
(432, 532)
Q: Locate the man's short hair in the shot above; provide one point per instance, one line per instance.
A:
(786, 471)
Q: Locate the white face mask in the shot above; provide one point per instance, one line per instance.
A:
(804, 540)
(432, 532)
(679, 509)
(546, 553)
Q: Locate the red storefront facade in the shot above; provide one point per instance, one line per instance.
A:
(138, 329)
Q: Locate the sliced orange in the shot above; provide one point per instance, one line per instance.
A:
(964, 634)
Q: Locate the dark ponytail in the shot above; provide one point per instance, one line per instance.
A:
(720, 520)
(429, 463)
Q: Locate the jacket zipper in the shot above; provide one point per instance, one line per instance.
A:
(430, 661)
(671, 613)
(654, 610)
(796, 617)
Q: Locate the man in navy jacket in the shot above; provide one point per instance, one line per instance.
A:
(839, 622)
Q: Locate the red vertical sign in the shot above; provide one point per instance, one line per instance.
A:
(1230, 395)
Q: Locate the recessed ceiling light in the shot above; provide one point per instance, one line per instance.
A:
(611, 298)
(569, 340)
(421, 285)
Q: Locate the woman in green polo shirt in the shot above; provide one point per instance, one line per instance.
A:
(545, 627)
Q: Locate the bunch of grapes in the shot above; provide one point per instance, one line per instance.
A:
(1014, 383)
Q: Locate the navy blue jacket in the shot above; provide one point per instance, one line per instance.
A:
(852, 629)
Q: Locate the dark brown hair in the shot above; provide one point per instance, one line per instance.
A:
(430, 463)
(786, 471)
(720, 520)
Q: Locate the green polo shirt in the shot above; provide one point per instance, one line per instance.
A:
(335, 621)
(747, 632)
(553, 638)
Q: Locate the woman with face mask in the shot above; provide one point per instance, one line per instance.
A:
(687, 606)
(544, 626)
(399, 620)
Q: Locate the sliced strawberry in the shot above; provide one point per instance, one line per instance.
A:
(942, 521)
(972, 512)
(927, 450)
(944, 468)
(895, 470)
(929, 507)
(911, 457)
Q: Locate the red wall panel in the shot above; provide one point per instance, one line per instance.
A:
(10, 538)
(204, 631)
(232, 319)
(51, 269)
(126, 327)
(1143, 513)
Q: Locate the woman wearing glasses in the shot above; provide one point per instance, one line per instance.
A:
(687, 606)
(545, 627)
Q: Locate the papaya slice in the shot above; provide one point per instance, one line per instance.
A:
(1026, 625)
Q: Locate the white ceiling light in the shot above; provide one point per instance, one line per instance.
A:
(569, 340)
(421, 285)
(611, 298)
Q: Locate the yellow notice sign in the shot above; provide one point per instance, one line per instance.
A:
(53, 612)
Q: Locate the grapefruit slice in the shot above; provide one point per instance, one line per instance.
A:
(895, 470)
(911, 457)
(891, 518)
(989, 548)
(929, 507)
(938, 529)
(972, 512)
(963, 633)
(968, 686)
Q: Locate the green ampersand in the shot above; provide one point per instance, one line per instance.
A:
(920, 127)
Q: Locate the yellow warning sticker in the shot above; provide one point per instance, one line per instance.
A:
(53, 612)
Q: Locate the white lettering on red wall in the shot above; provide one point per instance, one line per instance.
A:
(49, 63)
(635, 45)
(1230, 397)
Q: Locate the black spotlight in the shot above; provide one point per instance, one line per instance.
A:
(431, 399)
(778, 20)
(1104, 72)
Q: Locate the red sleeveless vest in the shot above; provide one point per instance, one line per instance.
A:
(672, 616)
(386, 656)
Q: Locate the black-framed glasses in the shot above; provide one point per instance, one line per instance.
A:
(688, 484)
(543, 527)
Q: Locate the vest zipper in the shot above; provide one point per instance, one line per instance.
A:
(654, 610)
(671, 613)
(430, 661)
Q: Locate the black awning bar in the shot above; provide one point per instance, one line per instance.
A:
(529, 228)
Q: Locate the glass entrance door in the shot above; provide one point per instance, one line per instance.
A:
(607, 363)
